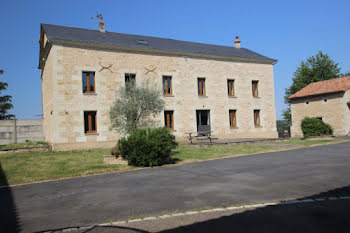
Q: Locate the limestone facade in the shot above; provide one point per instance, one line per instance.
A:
(332, 108)
(64, 102)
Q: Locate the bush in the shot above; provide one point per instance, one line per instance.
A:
(148, 147)
(115, 151)
(315, 127)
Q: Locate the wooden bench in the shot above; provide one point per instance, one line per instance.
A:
(201, 136)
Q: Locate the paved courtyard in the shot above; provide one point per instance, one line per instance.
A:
(232, 181)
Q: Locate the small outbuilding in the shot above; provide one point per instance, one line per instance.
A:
(326, 100)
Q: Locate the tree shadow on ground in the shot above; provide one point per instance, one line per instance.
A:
(9, 219)
(317, 217)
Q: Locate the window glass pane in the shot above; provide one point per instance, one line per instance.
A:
(86, 122)
(170, 120)
(255, 88)
(230, 84)
(93, 121)
(233, 118)
(92, 82)
(130, 79)
(198, 84)
(202, 86)
(164, 88)
(257, 117)
(169, 85)
(84, 83)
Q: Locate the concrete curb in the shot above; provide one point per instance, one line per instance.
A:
(194, 212)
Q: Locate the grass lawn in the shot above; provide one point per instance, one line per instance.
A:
(183, 153)
(23, 145)
(34, 166)
(27, 167)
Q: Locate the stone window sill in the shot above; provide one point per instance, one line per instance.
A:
(91, 134)
(168, 95)
(257, 97)
(88, 94)
(232, 96)
(234, 127)
(203, 96)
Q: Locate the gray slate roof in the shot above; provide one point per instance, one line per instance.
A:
(113, 39)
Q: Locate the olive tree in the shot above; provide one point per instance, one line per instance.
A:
(135, 107)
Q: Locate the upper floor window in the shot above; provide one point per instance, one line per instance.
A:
(201, 86)
(257, 122)
(231, 87)
(167, 85)
(130, 79)
(88, 82)
(232, 118)
(255, 88)
(169, 119)
(90, 122)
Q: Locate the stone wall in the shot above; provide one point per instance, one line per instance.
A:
(332, 108)
(12, 131)
(64, 102)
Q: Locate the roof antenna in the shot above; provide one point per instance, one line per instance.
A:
(101, 24)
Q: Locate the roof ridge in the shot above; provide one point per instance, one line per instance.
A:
(91, 37)
(154, 37)
(340, 84)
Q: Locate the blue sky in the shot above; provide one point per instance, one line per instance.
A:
(289, 31)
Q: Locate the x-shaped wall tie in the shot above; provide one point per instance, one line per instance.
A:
(105, 67)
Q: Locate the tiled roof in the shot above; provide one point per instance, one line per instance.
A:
(120, 40)
(324, 87)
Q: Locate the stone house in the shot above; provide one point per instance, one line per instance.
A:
(327, 100)
(226, 90)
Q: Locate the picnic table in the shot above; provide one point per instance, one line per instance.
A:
(201, 135)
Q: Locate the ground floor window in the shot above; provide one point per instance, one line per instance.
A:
(169, 119)
(232, 117)
(257, 118)
(90, 122)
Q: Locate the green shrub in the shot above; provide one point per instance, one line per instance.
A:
(115, 151)
(148, 147)
(315, 127)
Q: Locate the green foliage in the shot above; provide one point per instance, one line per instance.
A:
(115, 151)
(315, 127)
(287, 115)
(316, 68)
(148, 147)
(282, 125)
(135, 108)
(5, 102)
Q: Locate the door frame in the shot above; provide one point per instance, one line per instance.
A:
(198, 119)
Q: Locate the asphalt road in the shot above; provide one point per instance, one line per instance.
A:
(113, 197)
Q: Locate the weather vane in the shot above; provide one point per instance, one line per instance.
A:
(98, 15)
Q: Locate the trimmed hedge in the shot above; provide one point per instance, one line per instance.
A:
(315, 127)
(148, 147)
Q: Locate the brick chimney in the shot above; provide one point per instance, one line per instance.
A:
(101, 25)
(237, 43)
